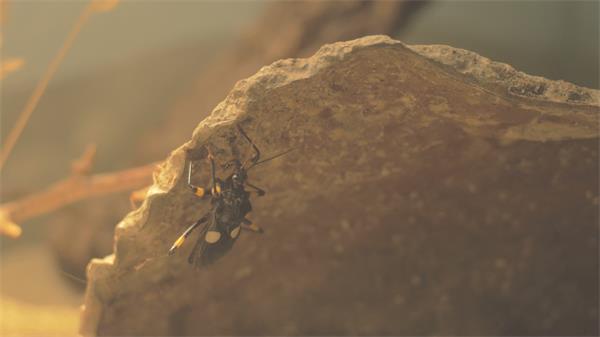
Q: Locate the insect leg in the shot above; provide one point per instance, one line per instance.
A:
(249, 225)
(256, 157)
(215, 188)
(259, 190)
(185, 234)
(202, 243)
(199, 191)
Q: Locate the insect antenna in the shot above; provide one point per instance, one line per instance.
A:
(256, 155)
(73, 277)
(273, 157)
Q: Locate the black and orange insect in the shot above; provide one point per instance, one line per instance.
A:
(230, 205)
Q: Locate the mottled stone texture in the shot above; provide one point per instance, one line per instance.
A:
(421, 198)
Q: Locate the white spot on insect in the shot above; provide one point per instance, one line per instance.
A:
(212, 237)
(235, 232)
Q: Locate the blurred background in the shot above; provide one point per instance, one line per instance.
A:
(141, 75)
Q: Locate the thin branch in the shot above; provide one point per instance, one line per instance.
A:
(10, 65)
(78, 186)
(38, 92)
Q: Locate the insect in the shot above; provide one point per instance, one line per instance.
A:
(230, 203)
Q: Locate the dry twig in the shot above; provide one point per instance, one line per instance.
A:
(10, 65)
(74, 188)
(38, 92)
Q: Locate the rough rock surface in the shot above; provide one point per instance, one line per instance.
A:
(424, 197)
(302, 28)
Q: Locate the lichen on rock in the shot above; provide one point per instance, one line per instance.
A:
(423, 196)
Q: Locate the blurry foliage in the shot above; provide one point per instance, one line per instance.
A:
(79, 185)
(14, 134)
(17, 317)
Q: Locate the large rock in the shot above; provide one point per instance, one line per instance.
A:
(431, 191)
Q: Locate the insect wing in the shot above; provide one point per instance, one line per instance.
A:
(199, 246)
(211, 245)
(215, 251)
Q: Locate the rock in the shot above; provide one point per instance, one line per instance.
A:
(423, 197)
(302, 28)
